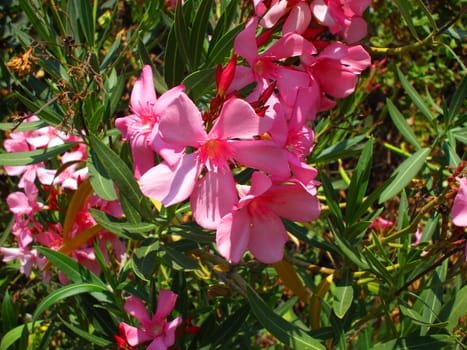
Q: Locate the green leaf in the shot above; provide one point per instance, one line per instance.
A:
(100, 180)
(144, 258)
(121, 228)
(174, 70)
(198, 32)
(339, 150)
(12, 336)
(178, 260)
(85, 19)
(70, 267)
(221, 49)
(458, 99)
(455, 309)
(9, 314)
(405, 172)
(404, 7)
(33, 157)
(113, 51)
(460, 134)
(66, 292)
(433, 342)
(416, 98)
(181, 34)
(227, 329)
(39, 23)
(123, 177)
(417, 318)
(432, 299)
(359, 182)
(343, 297)
(402, 125)
(197, 82)
(92, 338)
(290, 335)
(23, 126)
(40, 108)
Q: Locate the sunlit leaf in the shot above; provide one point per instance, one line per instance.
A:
(33, 157)
(401, 124)
(406, 171)
(64, 293)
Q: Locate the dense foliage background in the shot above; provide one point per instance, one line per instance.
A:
(349, 280)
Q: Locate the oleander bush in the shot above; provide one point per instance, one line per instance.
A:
(206, 174)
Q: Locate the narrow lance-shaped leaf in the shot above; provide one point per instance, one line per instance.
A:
(123, 177)
(406, 171)
(65, 292)
(404, 7)
(359, 182)
(33, 157)
(181, 34)
(402, 125)
(198, 32)
(416, 98)
(292, 336)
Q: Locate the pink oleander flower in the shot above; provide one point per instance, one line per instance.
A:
(298, 15)
(336, 68)
(141, 127)
(231, 140)
(155, 329)
(264, 68)
(343, 17)
(459, 207)
(255, 222)
(381, 224)
(28, 258)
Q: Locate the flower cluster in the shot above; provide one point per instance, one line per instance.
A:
(32, 225)
(155, 329)
(266, 130)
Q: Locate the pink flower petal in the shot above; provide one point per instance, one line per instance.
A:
(334, 78)
(143, 156)
(267, 237)
(238, 119)
(213, 197)
(245, 42)
(261, 154)
(135, 307)
(356, 31)
(157, 344)
(181, 122)
(233, 234)
(289, 45)
(171, 185)
(459, 207)
(165, 304)
(18, 203)
(169, 335)
(274, 13)
(143, 96)
(292, 202)
(133, 335)
(298, 19)
(260, 183)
